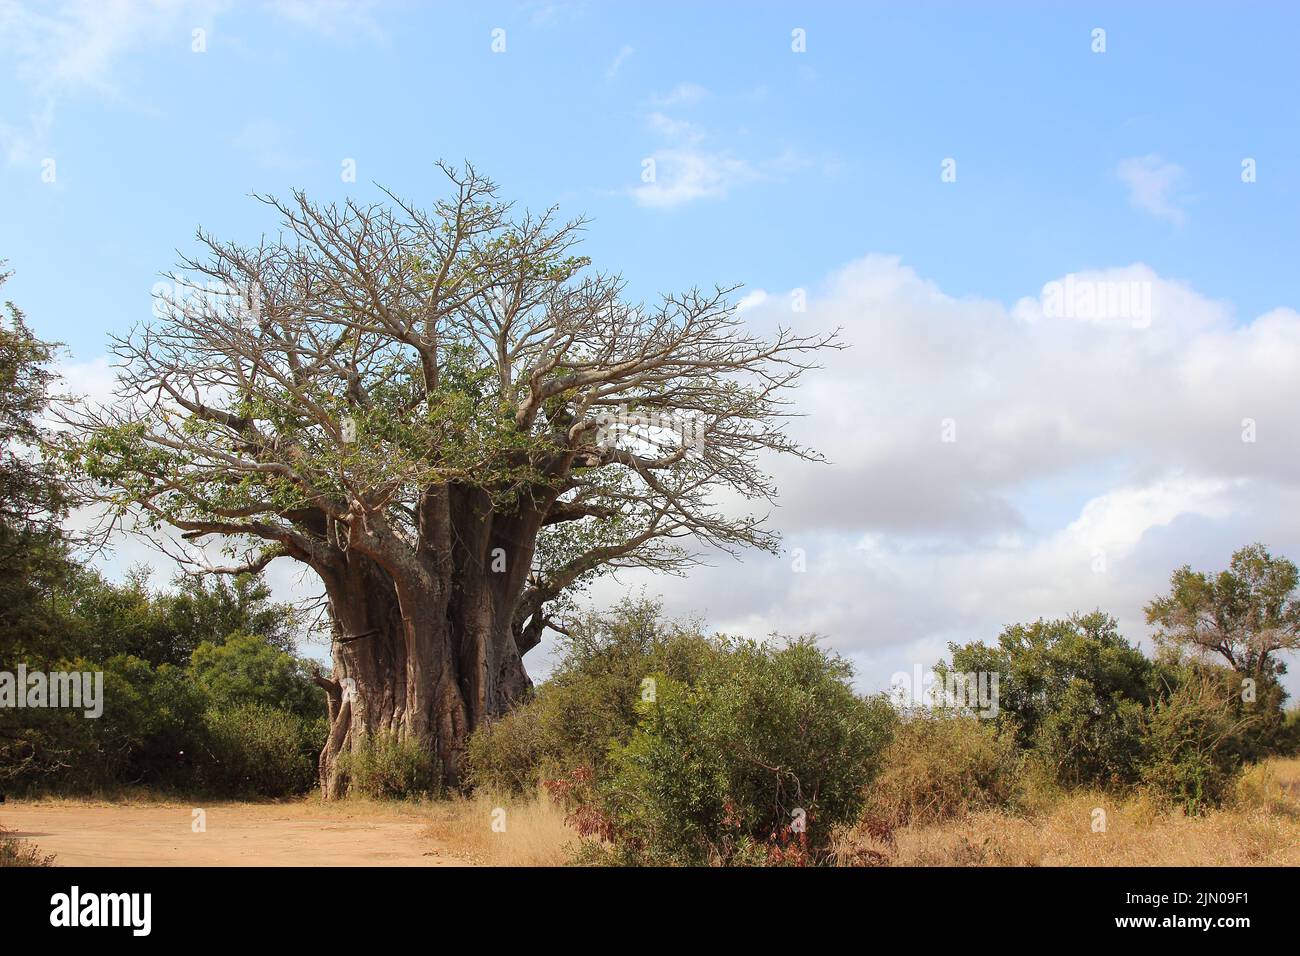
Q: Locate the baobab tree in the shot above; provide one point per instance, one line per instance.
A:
(454, 422)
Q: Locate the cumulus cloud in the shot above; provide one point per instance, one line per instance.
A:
(992, 463)
(1090, 453)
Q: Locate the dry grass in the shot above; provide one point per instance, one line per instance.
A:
(530, 830)
(1260, 827)
(943, 768)
(15, 852)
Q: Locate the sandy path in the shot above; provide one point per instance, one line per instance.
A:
(238, 834)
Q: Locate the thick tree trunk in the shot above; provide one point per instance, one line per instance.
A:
(429, 660)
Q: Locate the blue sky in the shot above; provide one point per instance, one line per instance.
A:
(839, 148)
(781, 170)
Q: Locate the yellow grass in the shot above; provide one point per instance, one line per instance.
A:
(503, 831)
(1261, 826)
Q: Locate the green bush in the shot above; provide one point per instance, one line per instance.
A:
(1090, 710)
(245, 669)
(253, 749)
(938, 767)
(151, 717)
(154, 716)
(1193, 740)
(507, 755)
(384, 766)
(1090, 738)
(589, 702)
(1288, 739)
(167, 659)
(760, 761)
(1071, 692)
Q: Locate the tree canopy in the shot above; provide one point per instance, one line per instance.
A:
(1245, 614)
(313, 393)
(452, 418)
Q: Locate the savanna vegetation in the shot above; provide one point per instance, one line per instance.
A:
(440, 416)
(452, 421)
(201, 684)
(666, 745)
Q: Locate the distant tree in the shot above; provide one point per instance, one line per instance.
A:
(103, 618)
(208, 609)
(450, 421)
(34, 558)
(245, 669)
(1248, 614)
(1072, 691)
(106, 619)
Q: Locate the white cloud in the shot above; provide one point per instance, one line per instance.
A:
(697, 162)
(1152, 184)
(76, 46)
(687, 169)
(337, 19)
(683, 175)
(683, 94)
(26, 144)
(673, 128)
(55, 51)
(616, 64)
(1092, 458)
(92, 381)
(551, 14)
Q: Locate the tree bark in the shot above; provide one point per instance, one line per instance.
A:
(428, 656)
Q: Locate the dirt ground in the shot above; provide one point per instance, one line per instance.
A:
(306, 833)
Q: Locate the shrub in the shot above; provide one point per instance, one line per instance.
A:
(1071, 691)
(760, 761)
(589, 702)
(508, 754)
(255, 749)
(153, 717)
(938, 767)
(150, 715)
(1193, 740)
(15, 852)
(1288, 742)
(384, 766)
(1090, 738)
